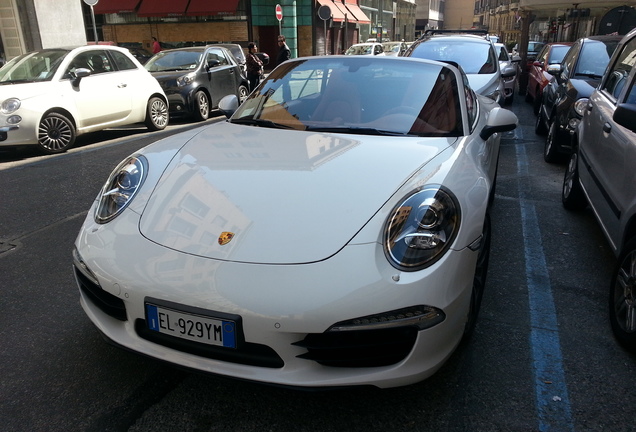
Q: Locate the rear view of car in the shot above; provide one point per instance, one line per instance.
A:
(476, 56)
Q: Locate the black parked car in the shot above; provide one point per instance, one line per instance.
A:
(237, 52)
(196, 78)
(565, 97)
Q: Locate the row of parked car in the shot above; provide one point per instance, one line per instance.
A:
(585, 100)
(51, 96)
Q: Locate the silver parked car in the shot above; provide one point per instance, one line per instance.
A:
(507, 60)
(601, 173)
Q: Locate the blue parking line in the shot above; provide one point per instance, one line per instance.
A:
(552, 401)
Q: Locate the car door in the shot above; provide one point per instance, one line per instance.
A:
(608, 150)
(102, 97)
(223, 78)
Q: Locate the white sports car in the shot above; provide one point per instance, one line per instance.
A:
(49, 97)
(323, 236)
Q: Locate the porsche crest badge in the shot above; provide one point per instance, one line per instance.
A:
(225, 237)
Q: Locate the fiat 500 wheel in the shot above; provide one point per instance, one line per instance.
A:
(56, 133)
(622, 298)
(156, 114)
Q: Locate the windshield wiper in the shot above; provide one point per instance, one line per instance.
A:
(589, 75)
(261, 123)
(360, 130)
(20, 81)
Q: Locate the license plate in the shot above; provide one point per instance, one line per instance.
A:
(197, 328)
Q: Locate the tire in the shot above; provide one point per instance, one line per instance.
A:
(156, 114)
(510, 99)
(551, 152)
(536, 105)
(201, 106)
(479, 280)
(243, 92)
(622, 297)
(539, 126)
(572, 195)
(56, 134)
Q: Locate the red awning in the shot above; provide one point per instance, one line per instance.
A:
(336, 13)
(162, 8)
(212, 7)
(355, 10)
(115, 6)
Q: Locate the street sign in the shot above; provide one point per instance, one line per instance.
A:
(91, 2)
(279, 12)
(324, 12)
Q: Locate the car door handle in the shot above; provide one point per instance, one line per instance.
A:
(607, 127)
(122, 85)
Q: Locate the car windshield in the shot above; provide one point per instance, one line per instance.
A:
(594, 58)
(32, 67)
(557, 53)
(174, 61)
(535, 46)
(332, 94)
(475, 57)
(360, 50)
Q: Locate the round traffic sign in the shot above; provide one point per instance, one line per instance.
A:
(279, 12)
(324, 12)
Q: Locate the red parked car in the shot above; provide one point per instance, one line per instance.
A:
(538, 77)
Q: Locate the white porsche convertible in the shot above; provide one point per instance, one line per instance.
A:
(325, 235)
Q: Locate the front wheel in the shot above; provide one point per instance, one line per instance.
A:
(551, 149)
(479, 279)
(156, 114)
(243, 93)
(539, 126)
(572, 195)
(201, 106)
(56, 134)
(622, 297)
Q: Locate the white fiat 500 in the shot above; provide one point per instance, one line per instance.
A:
(322, 236)
(49, 97)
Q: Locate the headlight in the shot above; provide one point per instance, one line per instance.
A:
(185, 80)
(120, 188)
(422, 228)
(10, 105)
(580, 106)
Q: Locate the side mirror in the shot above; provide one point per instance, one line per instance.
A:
(625, 115)
(228, 105)
(213, 63)
(78, 75)
(509, 71)
(554, 69)
(516, 58)
(499, 120)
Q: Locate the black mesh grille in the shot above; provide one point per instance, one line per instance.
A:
(107, 303)
(364, 348)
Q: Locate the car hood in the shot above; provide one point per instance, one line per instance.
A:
(483, 83)
(277, 197)
(170, 76)
(582, 87)
(25, 90)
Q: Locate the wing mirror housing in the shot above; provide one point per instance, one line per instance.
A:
(499, 120)
(79, 74)
(625, 115)
(228, 105)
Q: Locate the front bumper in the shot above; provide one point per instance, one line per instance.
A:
(283, 309)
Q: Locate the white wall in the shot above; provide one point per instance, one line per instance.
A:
(61, 22)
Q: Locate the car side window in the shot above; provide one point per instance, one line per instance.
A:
(217, 54)
(543, 54)
(122, 61)
(570, 59)
(98, 62)
(618, 73)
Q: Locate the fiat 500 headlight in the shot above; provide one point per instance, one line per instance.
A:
(120, 188)
(421, 228)
(10, 105)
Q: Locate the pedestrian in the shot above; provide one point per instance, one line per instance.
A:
(254, 66)
(284, 52)
(156, 46)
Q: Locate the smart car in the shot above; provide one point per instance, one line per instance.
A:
(323, 236)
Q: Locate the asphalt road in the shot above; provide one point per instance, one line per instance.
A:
(542, 357)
